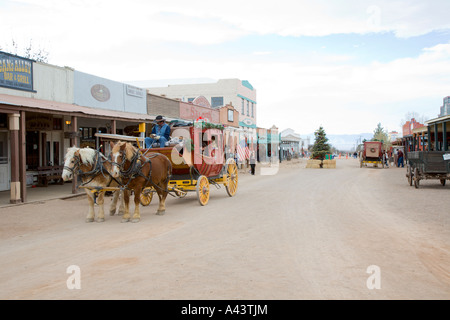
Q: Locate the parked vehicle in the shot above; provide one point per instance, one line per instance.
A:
(427, 165)
(372, 153)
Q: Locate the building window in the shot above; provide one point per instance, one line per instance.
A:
(57, 123)
(230, 115)
(253, 110)
(248, 108)
(216, 102)
(87, 138)
(243, 109)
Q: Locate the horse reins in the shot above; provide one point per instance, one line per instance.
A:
(135, 168)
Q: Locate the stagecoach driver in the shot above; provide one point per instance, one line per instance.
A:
(160, 133)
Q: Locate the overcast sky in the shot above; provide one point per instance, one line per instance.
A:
(343, 64)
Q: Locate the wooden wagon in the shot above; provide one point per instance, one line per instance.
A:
(372, 153)
(424, 165)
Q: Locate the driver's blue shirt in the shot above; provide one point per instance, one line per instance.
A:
(163, 131)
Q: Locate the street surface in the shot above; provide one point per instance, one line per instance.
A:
(344, 233)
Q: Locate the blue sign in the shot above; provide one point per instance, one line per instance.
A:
(16, 72)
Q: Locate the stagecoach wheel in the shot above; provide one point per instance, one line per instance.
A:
(203, 190)
(409, 174)
(232, 181)
(416, 178)
(146, 197)
(443, 182)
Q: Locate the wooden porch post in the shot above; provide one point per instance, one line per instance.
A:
(444, 136)
(113, 126)
(23, 157)
(73, 142)
(429, 139)
(14, 126)
(436, 142)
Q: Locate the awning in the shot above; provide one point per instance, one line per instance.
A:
(70, 109)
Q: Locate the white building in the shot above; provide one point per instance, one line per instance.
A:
(291, 144)
(240, 93)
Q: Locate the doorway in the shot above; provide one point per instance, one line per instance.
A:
(5, 178)
(32, 148)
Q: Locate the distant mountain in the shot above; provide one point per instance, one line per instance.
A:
(343, 142)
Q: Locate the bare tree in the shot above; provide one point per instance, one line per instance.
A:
(30, 51)
(412, 114)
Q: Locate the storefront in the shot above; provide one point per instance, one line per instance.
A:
(35, 133)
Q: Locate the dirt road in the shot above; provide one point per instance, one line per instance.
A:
(299, 234)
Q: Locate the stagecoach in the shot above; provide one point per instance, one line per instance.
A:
(197, 155)
(198, 161)
(372, 153)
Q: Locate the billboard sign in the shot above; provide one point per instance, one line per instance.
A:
(16, 72)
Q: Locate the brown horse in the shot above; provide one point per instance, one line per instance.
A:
(94, 170)
(137, 172)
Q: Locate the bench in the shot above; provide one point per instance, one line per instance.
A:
(49, 173)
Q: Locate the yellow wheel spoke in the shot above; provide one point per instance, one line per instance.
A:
(232, 181)
(203, 190)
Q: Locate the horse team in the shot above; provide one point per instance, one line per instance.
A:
(125, 171)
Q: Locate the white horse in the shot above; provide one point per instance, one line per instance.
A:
(94, 169)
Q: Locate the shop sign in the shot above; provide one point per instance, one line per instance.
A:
(135, 91)
(16, 72)
(42, 122)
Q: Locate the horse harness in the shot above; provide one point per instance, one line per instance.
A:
(98, 168)
(135, 169)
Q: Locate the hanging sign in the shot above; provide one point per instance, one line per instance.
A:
(16, 72)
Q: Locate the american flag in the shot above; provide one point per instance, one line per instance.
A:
(243, 152)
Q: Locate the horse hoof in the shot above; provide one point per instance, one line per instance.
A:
(89, 219)
(121, 213)
(125, 220)
(111, 213)
(101, 220)
(135, 220)
(160, 212)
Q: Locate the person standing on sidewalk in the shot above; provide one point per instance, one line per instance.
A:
(400, 158)
(252, 162)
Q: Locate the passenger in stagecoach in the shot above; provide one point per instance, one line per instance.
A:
(160, 133)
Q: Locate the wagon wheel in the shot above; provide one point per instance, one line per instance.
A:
(409, 174)
(232, 181)
(443, 182)
(203, 190)
(416, 178)
(146, 196)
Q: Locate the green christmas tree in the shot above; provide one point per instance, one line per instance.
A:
(320, 147)
(380, 134)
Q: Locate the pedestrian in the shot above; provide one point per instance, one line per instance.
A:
(252, 163)
(400, 158)
(386, 159)
(160, 133)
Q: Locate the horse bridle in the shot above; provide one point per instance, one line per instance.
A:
(77, 164)
(126, 173)
(97, 168)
